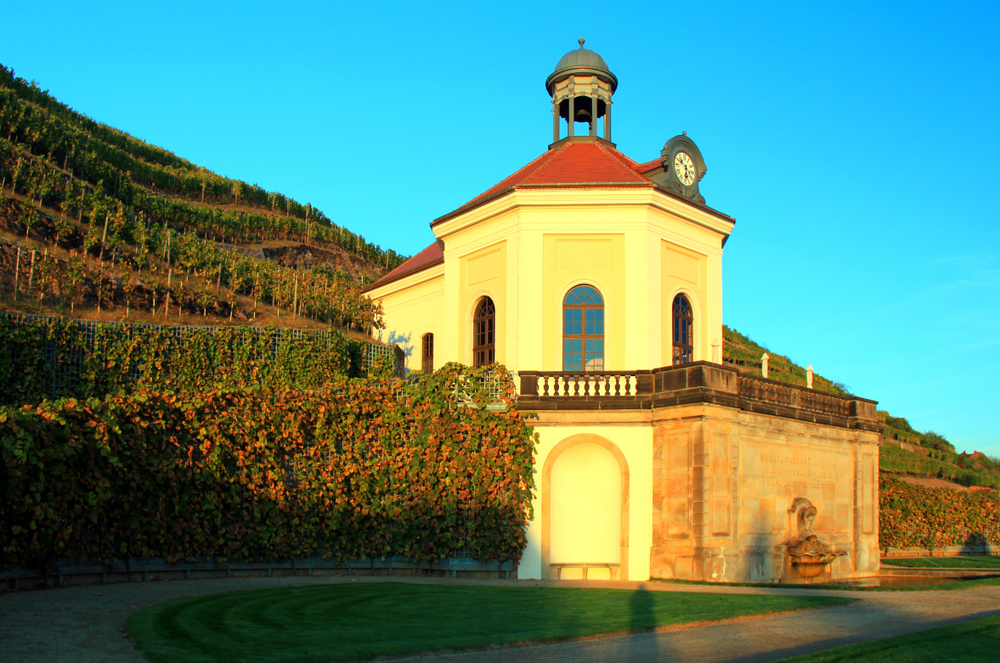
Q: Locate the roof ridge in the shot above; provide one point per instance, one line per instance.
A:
(540, 160)
(549, 153)
(553, 155)
(432, 255)
(628, 164)
(571, 163)
(615, 151)
(647, 166)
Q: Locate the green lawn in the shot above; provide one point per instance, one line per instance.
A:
(362, 621)
(973, 641)
(944, 585)
(945, 562)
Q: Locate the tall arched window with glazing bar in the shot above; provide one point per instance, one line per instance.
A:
(484, 333)
(683, 330)
(583, 330)
(427, 353)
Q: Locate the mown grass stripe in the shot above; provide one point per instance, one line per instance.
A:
(362, 621)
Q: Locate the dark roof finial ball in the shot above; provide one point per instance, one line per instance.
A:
(581, 40)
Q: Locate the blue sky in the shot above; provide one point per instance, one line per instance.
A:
(856, 144)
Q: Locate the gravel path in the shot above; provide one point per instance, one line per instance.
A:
(87, 623)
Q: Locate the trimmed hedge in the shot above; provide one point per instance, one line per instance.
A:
(370, 468)
(49, 358)
(913, 516)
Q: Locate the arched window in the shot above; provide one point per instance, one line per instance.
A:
(683, 331)
(484, 333)
(583, 330)
(427, 353)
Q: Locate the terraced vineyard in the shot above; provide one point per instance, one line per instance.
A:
(93, 218)
(95, 223)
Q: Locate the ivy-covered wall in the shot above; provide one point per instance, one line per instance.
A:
(913, 516)
(365, 468)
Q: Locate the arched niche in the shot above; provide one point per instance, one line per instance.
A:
(605, 459)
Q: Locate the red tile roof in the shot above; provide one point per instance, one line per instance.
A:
(570, 164)
(649, 165)
(432, 255)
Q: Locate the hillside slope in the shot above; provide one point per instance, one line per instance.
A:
(905, 451)
(96, 222)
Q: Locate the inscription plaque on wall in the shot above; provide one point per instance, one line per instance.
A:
(774, 474)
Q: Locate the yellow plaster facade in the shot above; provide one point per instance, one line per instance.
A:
(527, 251)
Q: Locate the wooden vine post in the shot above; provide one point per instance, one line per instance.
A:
(166, 302)
(31, 272)
(17, 272)
(104, 236)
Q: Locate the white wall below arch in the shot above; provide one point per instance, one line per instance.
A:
(585, 508)
(636, 445)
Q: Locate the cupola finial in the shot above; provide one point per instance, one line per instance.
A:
(581, 40)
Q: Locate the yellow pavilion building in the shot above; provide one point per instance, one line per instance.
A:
(597, 281)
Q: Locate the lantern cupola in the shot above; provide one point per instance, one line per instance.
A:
(581, 87)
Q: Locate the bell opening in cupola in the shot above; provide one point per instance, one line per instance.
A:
(581, 87)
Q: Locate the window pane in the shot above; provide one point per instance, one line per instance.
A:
(483, 327)
(682, 327)
(583, 329)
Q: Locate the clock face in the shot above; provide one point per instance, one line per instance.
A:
(684, 168)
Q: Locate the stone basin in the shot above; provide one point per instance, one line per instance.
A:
(810, 565)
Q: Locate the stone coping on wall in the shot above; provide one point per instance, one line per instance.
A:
(84, 572)
(986, 550)
(696, 382)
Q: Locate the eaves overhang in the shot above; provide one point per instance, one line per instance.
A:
(395, 280)
(660, 197)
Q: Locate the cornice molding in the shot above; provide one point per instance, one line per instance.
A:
(611, 196)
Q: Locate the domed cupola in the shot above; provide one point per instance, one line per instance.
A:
(581, 87)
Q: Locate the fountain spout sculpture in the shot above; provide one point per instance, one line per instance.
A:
(808, 556)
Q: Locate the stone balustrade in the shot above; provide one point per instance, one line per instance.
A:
(602, 384)
(697, 382)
